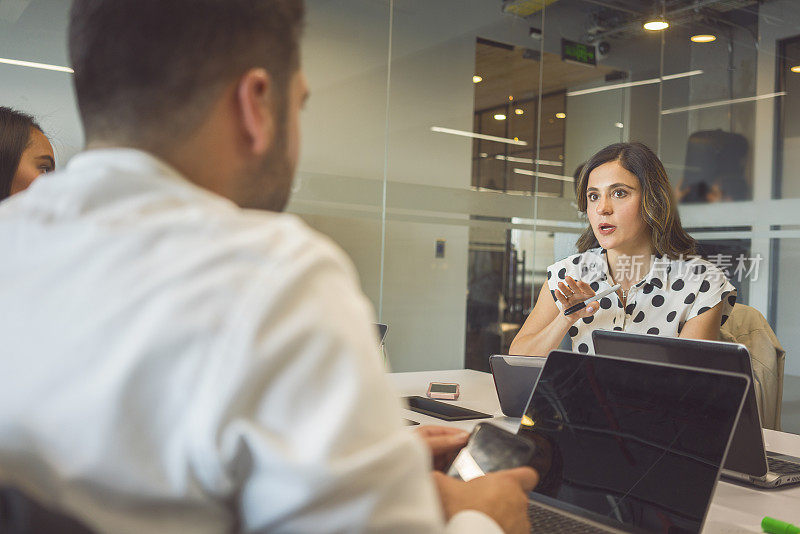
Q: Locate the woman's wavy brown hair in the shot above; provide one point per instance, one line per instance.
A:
(15, 135)
(659, 208)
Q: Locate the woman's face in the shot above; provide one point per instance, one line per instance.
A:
(36, 159)
(613, 205)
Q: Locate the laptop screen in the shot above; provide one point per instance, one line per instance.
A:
(639, 444)
(514, 377)
(746, 454)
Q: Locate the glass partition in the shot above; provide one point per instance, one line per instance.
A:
(441, 141)
(339, 184)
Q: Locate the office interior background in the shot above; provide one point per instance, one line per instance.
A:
(441, 138)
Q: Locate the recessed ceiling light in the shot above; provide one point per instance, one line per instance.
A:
(703, 38)
(796, 68)
(619, 125)
(656, 25)
(484, 155)
(477, 79)
(519, 111)
(499, 117)
(561, 115)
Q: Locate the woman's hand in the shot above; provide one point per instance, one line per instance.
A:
(571, 292)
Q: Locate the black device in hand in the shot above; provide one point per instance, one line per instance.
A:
(491, 448)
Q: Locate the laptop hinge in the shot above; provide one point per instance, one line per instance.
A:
(737, 475)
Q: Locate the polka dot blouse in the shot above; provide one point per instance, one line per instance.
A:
(673, 292)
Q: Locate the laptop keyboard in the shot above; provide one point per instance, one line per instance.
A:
(782, 467)
(544, 520)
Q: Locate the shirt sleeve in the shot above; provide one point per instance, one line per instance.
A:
(553, 279)
(472, 521)
(552, 283)
(297, 425)
(713, 287)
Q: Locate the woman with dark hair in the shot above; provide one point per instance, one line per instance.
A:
(25, 152)
(634, 239)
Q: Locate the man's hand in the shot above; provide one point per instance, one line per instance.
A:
(501, 495)
(444, 443)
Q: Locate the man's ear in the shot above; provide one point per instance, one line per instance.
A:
(254, 100)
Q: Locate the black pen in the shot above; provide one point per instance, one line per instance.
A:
(582, 305)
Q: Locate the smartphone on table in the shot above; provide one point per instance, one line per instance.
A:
(443, 390)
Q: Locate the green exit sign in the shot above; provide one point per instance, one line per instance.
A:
(578, 52)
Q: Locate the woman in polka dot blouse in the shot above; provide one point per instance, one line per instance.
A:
(634, 239)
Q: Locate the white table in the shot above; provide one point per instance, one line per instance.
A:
(735, 507)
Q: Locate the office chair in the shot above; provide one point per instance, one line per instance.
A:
(747, 326)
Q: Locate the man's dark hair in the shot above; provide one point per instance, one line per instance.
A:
(147, 71)
(15, 135)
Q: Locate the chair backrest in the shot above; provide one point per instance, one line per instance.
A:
(21, 514)
(747, 326)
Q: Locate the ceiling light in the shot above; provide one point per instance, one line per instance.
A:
(656, 25)
(484, 155)
(703, 38)
(477, 79)
(510, 98)
(722, 103)
(796, 68)
(561, 115)
(35, 65)
(474, 135)
(499, 117)
(526, 172)
(619, 125)
(529, 161)
(519, 111)
(634, 84)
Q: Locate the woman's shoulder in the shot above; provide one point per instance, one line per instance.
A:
(575, 259)
(698, 269)
(578, 265)
(695, 264)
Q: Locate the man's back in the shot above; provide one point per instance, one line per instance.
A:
(172, 362)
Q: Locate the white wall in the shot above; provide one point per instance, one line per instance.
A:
(39, 35)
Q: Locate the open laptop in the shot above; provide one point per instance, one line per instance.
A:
(747, 461)
(628, 446)
(514, 378)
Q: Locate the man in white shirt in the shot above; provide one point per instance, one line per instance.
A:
(173, 362)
